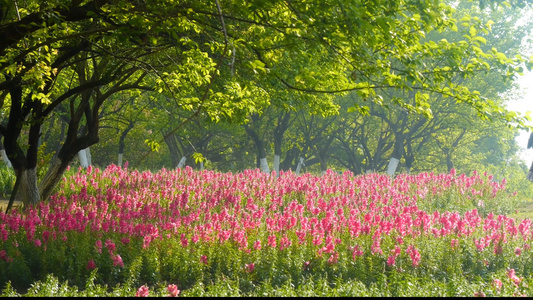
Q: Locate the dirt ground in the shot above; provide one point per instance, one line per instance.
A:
(5, 201)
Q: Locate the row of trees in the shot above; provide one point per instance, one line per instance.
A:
(71, 69)
(291, 133)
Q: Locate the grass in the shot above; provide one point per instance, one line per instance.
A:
(523, 211)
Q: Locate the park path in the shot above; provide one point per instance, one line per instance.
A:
(5, 201)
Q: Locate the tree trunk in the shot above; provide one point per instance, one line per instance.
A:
(181, 164)
(3, 154)
(89, 156)
(396, 154)
(122, 143)
(264, 165)
(52, 178)
(259, 144)
(300, 165)
(279, 131)
(449, 162)
(84, 161)
(29, 191)
(530, 174)
(5, 159)
(277, 159)
(393, 164)
(173, 148)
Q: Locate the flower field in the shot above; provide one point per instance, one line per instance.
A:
(117, 232)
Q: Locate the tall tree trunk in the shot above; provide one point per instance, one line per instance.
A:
(182, 161)
(122, 143)
(300, 165)
(530, 173)
(89, 156)
(449, 161)
(279, 131)
(29, 191)
(3, 154)
(172, 144)
(24, 163)
(323, 159)
(52, 178)
(260, 146)
(396, 154)
(84, 161)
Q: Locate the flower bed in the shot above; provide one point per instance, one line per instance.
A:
(251, 233)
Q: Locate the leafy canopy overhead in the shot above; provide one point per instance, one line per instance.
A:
(213, 55)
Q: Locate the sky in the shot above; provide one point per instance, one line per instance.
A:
(523, 104)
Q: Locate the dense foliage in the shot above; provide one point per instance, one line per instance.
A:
(122, 232)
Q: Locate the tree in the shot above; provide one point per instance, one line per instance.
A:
(81, 53)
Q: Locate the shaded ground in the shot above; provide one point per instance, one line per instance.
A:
(5, 201)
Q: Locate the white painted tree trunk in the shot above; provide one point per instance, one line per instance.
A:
(323, 172)
(89, 157)
(201, 165)
(299, 166)
(530, 173)
(264, 165)
(277, 159)
(120, 156)
(369, 171)
(393, 164)
(82, 155)
(5, 159)
(182, 162)
(28, 190)
(408, 170)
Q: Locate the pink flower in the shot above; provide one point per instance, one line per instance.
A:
(37, 242)
(142, 291)
(249, 267)
(3, 255)
(117, 261)
(415, 255)
(479, 294)
(203, 259)
(272, 241)
(497, 284)
(334, 258)
(257, 245)
(91, 264)
(98, 245)
(455, 243)
(511, 274)
(517, 251)
(391, 261)
(173, 290)
(356, 252)
(284, 243)
(146, 241)
(110, 246)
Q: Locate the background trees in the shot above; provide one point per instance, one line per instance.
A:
(73, 66)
